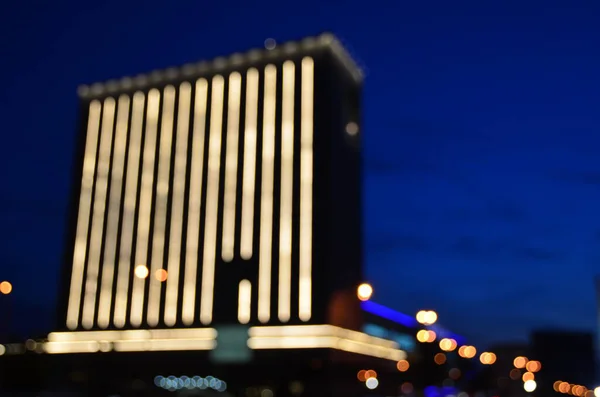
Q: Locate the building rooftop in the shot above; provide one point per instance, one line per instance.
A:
(141, 81)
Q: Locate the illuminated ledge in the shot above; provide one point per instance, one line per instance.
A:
(323, 337)
(131, 340)
(142, 81)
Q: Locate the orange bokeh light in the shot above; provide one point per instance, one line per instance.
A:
(403, 365)
(533, 366)
(528, 376)
(362, 375)
(5, 288)
(161, 275)
(370, 374)
(439, 358)
(520, 362)
(514, 374)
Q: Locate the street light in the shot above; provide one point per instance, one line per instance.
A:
(427, 317)
(141, 271)
(529, 385)
(5, 288)
(364, 292)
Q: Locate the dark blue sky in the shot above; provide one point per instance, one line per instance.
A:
(482, 174)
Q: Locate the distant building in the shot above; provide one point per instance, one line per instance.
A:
(567, 356)
(503, 376)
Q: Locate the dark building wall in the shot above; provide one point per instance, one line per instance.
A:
(565, 356)
(158, 118)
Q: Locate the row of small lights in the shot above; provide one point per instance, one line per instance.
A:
(428, 318)
(575, 390)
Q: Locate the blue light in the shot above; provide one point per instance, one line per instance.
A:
(387, 313)
(406, 320)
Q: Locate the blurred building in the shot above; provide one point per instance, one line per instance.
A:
(503, 376)
(566, 356)
(215, 242)
(216, 232)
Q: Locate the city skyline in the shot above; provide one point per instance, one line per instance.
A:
(479, 136)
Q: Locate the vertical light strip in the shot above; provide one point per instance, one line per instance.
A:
(212, 200)
(306, 189)
(129, 205)
(244, 301)
(287, 192)
(233, 127)
(162, 196)
(183, 127)
(195, 203)
(83, 216)
(266, 208)
(143, 226)
(91, 283)
(114, 210)
(249, 177)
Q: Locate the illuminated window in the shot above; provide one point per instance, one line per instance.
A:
(266, 208)
(103, 170)
(233, 126)
(114, 209)
(145, 205)
(183, 119)
(287, 191)
(83, 216)
(306, 181)
(129, 206)
(194, 206)
(249, 177)
(212, 200)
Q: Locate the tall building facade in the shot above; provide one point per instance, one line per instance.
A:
(225, 192)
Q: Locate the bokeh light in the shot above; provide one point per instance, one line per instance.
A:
(161, 275)
(426, 317)
(440, 358)
(362, 375)
(454, 373)
(487, 358)
(467, 351)
(364, 292)
(141, 271)
(529, 386)
(370, 374)
(372, 383)
(533, 366)
(407, 388)
(514, 374)
(403, 365)
(448, 344)
(528, 376)
(520, 362)
(5, 288)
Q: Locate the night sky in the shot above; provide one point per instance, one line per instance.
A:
(481, 141)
